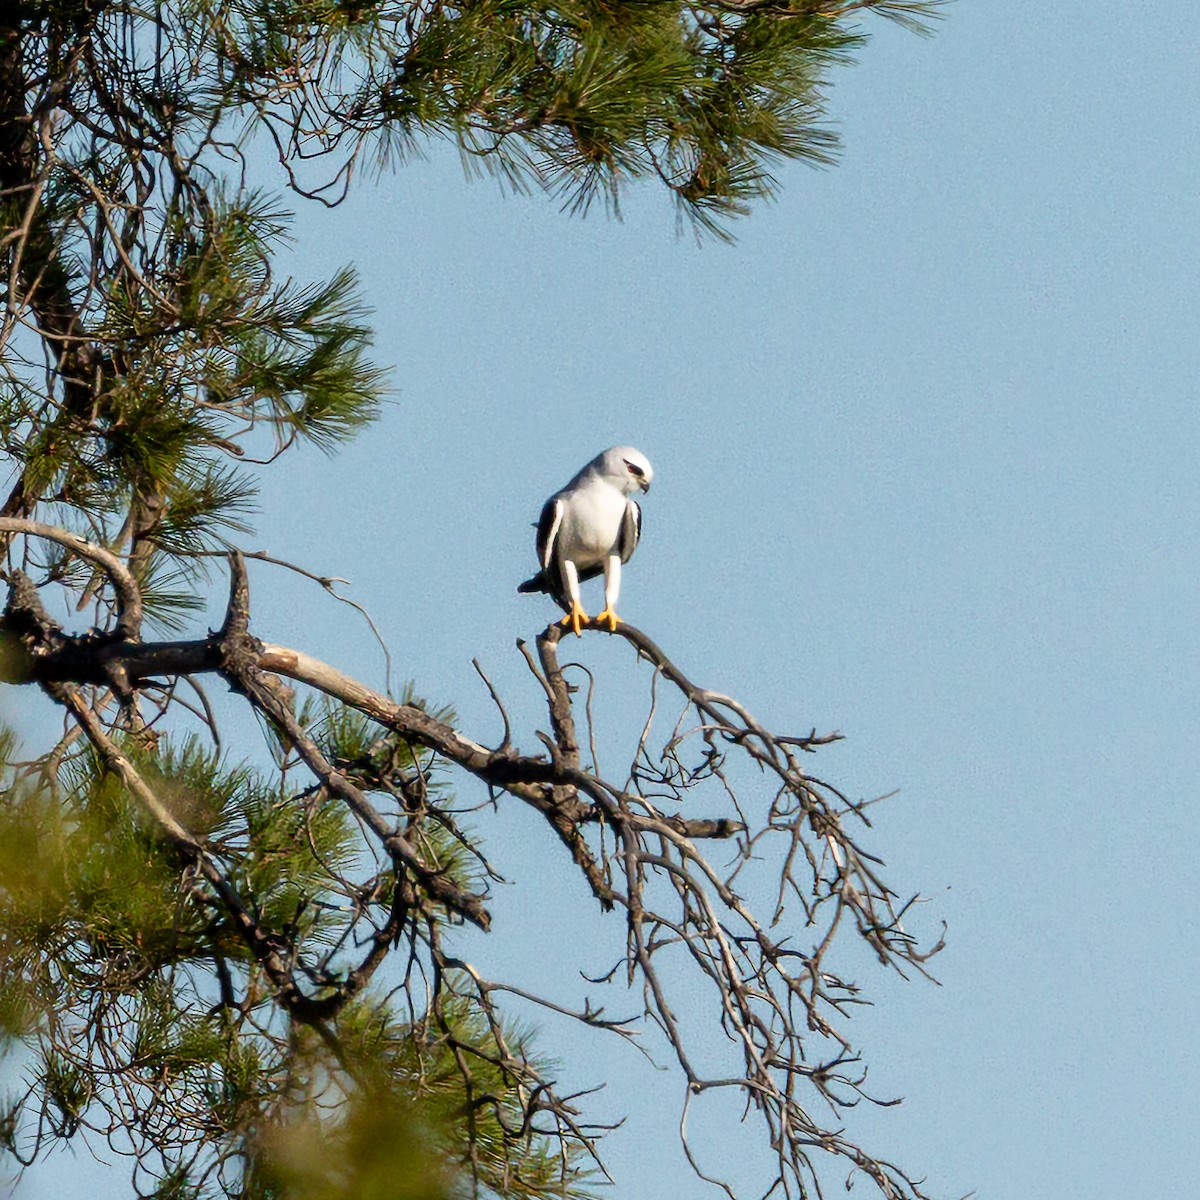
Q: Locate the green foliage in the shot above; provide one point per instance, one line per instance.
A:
(113, 952)
(578, 97)
(407, 1099)
(146, 245)
(373, 1149)
(215, 1004)
(202, 500)
(204, 354)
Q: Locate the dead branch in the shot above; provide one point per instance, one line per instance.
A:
(781, 1003)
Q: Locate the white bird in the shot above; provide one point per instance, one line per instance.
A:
(592, 525)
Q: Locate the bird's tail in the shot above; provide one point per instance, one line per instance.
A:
(536, 584)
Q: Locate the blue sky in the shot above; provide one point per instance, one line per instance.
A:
(926, 463)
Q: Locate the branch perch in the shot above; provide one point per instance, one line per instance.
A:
(781, 1002)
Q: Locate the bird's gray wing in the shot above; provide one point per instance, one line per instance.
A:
(631, 530)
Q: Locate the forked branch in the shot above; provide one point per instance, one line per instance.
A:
(781, 999)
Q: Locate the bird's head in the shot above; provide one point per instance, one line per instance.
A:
(626, 468)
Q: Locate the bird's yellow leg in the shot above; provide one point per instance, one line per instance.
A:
(611, 617)
(574, 619)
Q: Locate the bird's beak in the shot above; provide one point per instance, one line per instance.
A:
(645, 485)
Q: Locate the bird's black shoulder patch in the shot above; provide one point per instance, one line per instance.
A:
(631, 530)
(546, 528)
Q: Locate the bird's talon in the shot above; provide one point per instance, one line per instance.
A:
(575, 619)
(609, 616)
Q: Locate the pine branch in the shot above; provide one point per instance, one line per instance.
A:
(38, 279)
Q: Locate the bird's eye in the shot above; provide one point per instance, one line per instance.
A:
(635, 470)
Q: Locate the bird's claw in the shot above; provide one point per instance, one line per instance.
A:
(609, 616)
(575, 619)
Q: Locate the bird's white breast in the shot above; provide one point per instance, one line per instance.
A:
(591, 523)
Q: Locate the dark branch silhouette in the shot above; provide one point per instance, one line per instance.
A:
(211, 965)
(782, 1000)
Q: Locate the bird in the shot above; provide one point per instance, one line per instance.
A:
(591, 526)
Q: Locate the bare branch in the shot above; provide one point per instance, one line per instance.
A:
(782, 1005)
(129, 599)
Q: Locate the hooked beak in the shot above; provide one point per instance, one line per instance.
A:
(645, 485)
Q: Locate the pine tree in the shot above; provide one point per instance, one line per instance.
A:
(191, 946)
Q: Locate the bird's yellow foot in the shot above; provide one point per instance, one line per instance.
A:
(574, 619)
(609, 616)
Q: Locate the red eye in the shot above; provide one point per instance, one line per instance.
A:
(635, 470)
